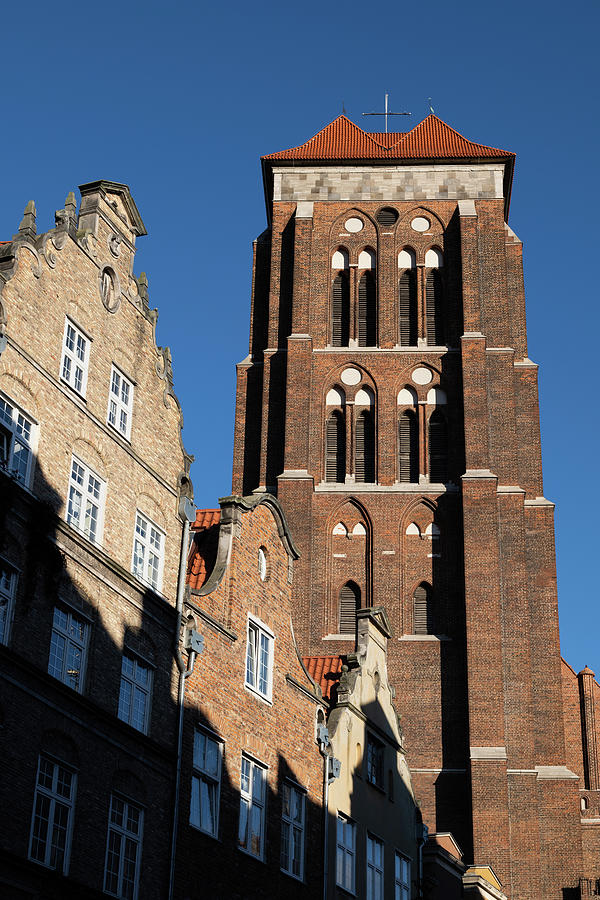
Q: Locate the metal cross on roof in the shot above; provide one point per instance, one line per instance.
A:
(387, 113)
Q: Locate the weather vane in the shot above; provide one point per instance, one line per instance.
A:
(387, 113)
(431, 109)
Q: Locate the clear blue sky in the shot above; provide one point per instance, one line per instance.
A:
(179, 101)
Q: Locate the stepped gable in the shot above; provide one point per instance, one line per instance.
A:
(430, 139)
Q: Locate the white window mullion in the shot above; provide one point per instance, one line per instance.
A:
(8, 585)
(259, 659)
(85, 505)
(18, 435)
(120, 403)
(148, 551)
(75, 358)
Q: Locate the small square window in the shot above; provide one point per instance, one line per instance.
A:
(75, 358)
(401, 877)
(17, 437)
(85, 503)
(51, 821)
(345, 853)
(206, 783)
(135, 692)
(148, 551)
(375, 750)
(252, 807)
(120, 403)
(68, 648)
(292, 830)
(8, 589)
(374, 868)
(259, 659)
(123, 849)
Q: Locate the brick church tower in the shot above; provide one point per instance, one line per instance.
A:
(389, 402)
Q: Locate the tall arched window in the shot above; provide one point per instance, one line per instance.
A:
(407, 308)
(422, 610)
(434, 312)
(364, 460)
(367, 311)
(438, 448)
(349, 606)
(335, 447)
(340, 310)
(408, 447)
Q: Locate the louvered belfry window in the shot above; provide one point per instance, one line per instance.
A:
(408, 308)
(422, 618)
(438, 448)
(408, 448)
(335, 449)
(364, 462)
(367, 311)
(434, 308)
(349, 604)
(340, 310)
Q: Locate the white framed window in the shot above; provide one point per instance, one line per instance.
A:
(75, 358)
(401, 877)
(259, 659)
(374, 868)
(375, 751)
(252, 807)
(135, 692)
(120, 403)
(8, 589)
(345, 858)
(17, 435)
(68, 648)
(148, 551)
(123, 849)
(292, 830)
(51, 822)
(85, 504)
(206, 783)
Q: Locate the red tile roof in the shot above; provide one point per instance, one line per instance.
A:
(203, 551)
(430, 139)
(325, 670)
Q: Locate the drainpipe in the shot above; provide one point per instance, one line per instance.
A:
(323, 739)
(188, 513)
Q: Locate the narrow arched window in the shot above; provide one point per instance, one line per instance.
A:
(349, 605)
(434, 308)
(340, 310)
(407, 306)
(422, 611)
(335, 448)
(367, 311)
(438, 448)
(364, 467)
(408, 447)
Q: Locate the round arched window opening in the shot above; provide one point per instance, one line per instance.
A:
(263, 565)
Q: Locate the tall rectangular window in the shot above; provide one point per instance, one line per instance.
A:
(17, 434)
(252, 807)
(148, 551)
(85, 504)
(135, 692)
(52, 815)
(68, 646)
(123, 849)
(206, 783)
(292, 830)
(374, 868)
(345, 853)
(8, 587)
(259, 659)
(120, 403)
(75, 358)
(401, 878)
(375, 751)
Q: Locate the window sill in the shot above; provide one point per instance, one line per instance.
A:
(259, 696)
(425, 637)
(74, 391)
(339, 637)
(208, 834)
(243, 850)
(299, 878)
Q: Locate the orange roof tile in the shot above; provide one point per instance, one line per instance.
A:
(325, 670)
(203, 551)
(430, 139)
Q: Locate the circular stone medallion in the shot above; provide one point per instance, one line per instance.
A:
(422, 376)
(353, 225)
(352, 376)
(420, 223)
